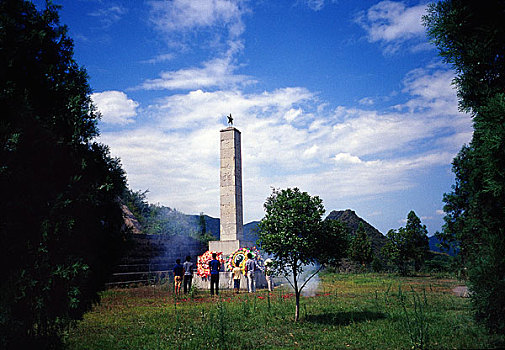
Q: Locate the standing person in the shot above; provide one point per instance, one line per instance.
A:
(214, 266)
(236, 274)
(250, 268)
(188, 274)
(268, 274)
(178, 273)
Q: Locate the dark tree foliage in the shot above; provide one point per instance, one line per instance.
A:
(418, 239)
(360, 246)
(294, 232)
(469, 35)
(408, 245)
(136, 201)
(202, 224)
(60, 222)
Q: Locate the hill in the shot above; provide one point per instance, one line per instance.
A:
(352, 221)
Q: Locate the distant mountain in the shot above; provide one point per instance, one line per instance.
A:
(352, 220)
(434, 242)
(211, 224)
(250, 231)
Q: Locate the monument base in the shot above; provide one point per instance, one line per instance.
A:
(228, 247)
(225, 281)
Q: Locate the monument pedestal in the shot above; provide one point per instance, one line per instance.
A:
(228, 247)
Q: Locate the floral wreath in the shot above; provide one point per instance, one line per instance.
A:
(239, 258)
(202, 264)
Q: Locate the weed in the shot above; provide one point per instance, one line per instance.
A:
(416, 321)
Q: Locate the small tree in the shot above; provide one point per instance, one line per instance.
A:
(294, 232)
(360, 247)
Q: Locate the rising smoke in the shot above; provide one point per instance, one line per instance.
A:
(311, 287)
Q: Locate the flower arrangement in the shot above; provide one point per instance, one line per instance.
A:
(239, 258)
(202, 264)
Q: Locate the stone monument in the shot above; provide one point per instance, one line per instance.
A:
(231, 211)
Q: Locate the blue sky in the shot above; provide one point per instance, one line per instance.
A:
(344, 99)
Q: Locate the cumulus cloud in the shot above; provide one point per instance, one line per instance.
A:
(392, 24)
(115, 107)
(288, 140)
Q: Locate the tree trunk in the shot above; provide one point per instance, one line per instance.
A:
(297, 307)
(297, 295)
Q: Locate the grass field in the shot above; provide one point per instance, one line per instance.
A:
(364, 311)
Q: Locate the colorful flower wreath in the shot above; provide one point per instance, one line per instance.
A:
(239, 258)
(202, 264)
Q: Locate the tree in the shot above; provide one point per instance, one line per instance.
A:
(360, 247)
(469, 36)
(61, 223)
(418, 239)
(202, 224)
(408, 244)
(293, 231)
(396, 249)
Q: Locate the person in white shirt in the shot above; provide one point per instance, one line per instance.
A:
(250, 268)
(188, 274)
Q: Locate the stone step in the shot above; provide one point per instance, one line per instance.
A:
(148, 276)
(153, 255)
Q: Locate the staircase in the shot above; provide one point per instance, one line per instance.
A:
(152, 258)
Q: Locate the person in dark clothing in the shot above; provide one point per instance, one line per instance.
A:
(178, 273)
(214, 266)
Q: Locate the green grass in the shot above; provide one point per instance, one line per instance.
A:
(364, 311)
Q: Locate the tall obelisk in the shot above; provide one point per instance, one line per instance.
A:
(232, 231)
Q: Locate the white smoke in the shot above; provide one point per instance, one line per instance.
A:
(312, 285)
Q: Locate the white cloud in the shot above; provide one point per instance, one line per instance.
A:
(109, 15)
(392, 23)
(311, 152)
(115, 107)
(160, 58)
(289, 140)
(292, 114)
(315, 5)
(218, 72)
(366, 101)
(347, 158)
(182, 16)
